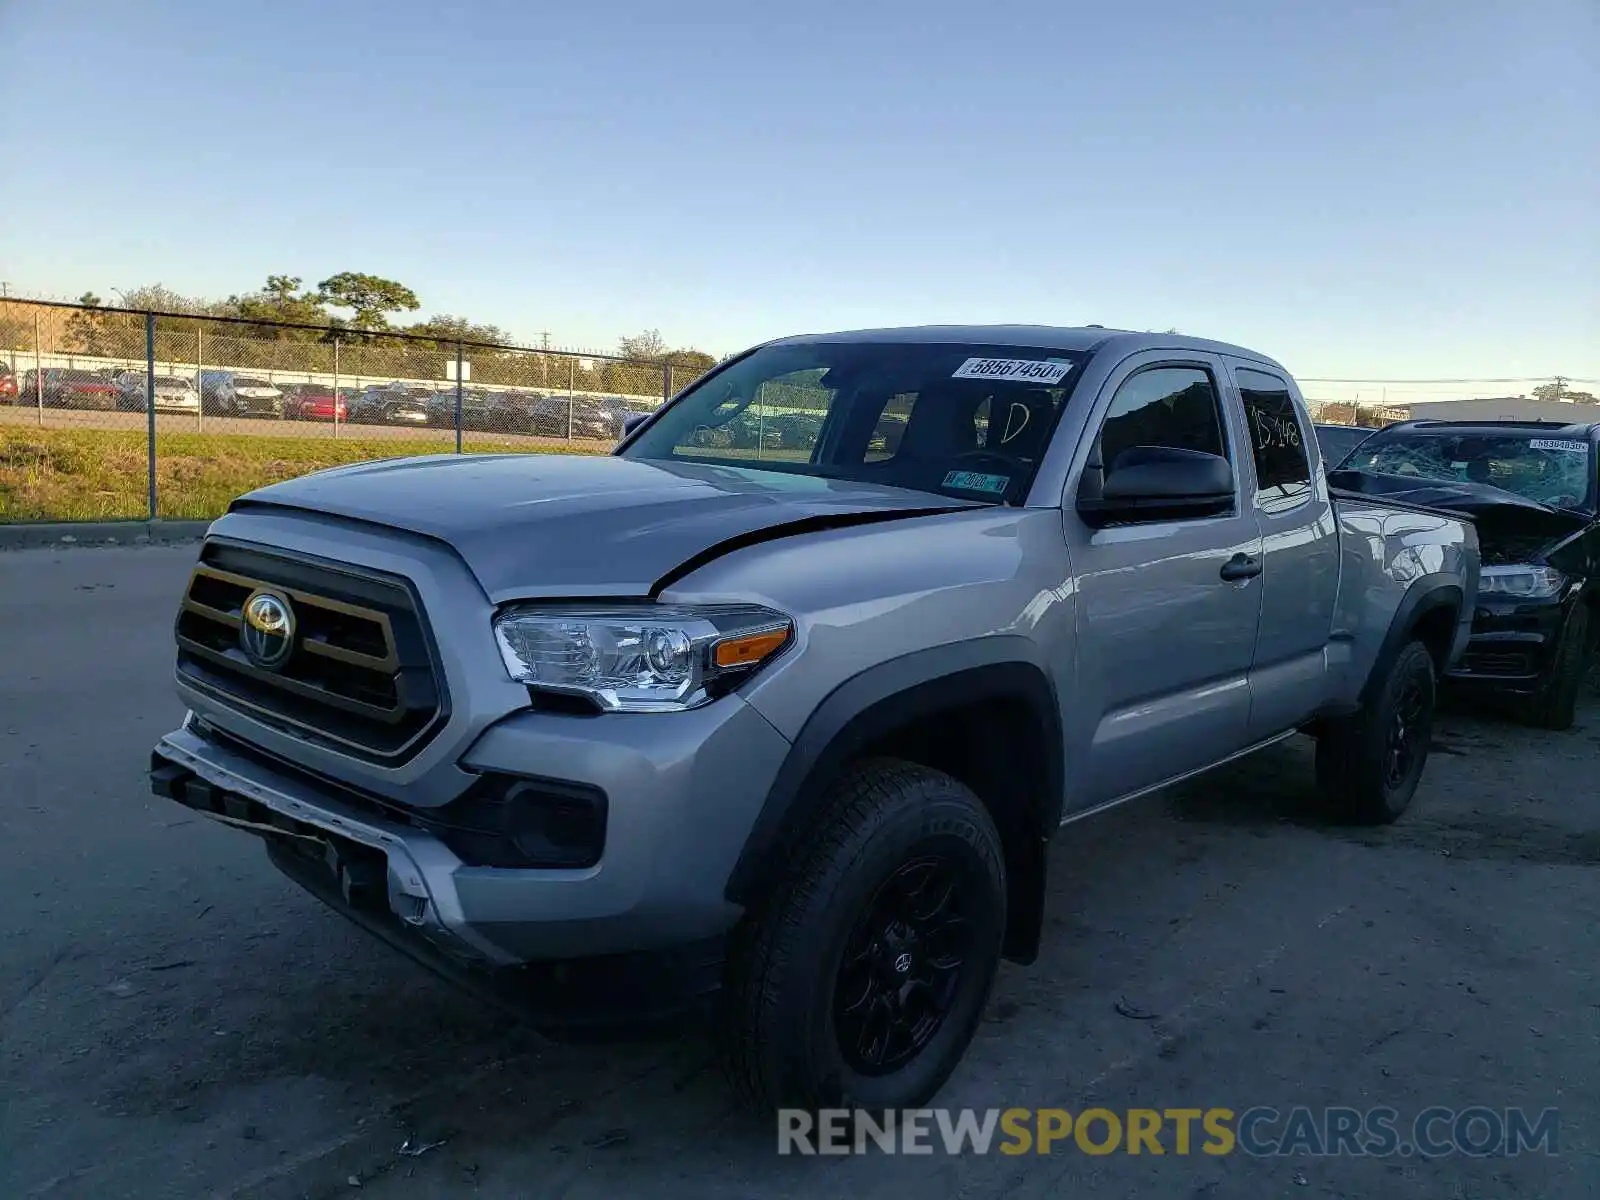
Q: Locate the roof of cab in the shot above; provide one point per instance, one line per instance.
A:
(1082, 338)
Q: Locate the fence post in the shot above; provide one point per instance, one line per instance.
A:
(458, 397)
(666, 382)
(150, 401)
(38, 368)
(335, 387)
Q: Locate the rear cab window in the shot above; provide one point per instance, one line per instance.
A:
(1277, 440)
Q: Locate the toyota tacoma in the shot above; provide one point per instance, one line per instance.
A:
(782, 727)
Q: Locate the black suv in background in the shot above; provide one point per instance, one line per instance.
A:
(1533, 490)
(1338, 441)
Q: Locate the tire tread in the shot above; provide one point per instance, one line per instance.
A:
(762, 946)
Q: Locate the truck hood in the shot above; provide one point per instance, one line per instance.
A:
(574, 525)
(1511, 528)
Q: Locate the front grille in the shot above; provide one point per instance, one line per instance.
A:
(361, 676)
(1480, 663)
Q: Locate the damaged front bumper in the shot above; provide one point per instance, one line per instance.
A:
(399, 883)
(1513, 644)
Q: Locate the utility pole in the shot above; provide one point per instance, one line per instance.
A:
(544, 358)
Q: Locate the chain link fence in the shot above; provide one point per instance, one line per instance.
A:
(238, 404)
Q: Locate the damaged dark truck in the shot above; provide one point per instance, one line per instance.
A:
(774, 711)
(1532, 489)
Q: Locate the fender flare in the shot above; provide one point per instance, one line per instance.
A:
(1427, 594)
(885, 697)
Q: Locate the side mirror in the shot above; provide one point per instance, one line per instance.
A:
(632, 421)
(1154, 483)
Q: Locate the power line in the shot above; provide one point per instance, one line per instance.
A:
(1484, 379)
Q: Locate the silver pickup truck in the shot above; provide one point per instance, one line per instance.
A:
(778, 706)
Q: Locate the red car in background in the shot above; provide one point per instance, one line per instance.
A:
(62, 387)
(8, 385)
(314, 402)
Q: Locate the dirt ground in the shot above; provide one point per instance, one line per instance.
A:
(177, 1020)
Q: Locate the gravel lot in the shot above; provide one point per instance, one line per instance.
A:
(177, 1020)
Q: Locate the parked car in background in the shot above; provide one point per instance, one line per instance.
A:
(66, 387)
(227, 394)
(750, 433)
(256, 397)
(1533, 491)
(174, 393)
(8, 385)
(28, 387)
(367, 407)
(1337, 441)
(480, 409)
(313, 402)
(396, 404)
(797, 431)
(592, 418)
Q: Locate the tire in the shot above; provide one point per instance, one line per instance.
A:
(1555, 704)
(893, 835)
(1369, 763)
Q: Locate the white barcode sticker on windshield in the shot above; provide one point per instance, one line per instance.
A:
(1562, 444)
(1013, 370)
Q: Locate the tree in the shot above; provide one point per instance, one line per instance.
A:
(155, 297)
(687, 366)
(1556, 389)
(280, 302)
(648, 346)
(371, 298)
(447, 329)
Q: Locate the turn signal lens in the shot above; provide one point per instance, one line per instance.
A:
(750, 649)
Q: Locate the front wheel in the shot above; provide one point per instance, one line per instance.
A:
(1370, 763)
(860, 981)
(1555, 704)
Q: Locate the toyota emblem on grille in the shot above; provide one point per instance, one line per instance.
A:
(266, 635)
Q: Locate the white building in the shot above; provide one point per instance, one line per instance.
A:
(1505, 408)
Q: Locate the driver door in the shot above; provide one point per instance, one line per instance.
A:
(1164, 640)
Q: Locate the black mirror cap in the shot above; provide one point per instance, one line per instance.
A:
(632, 421)
(1148, 483)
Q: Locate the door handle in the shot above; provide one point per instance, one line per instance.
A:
(1241, 566)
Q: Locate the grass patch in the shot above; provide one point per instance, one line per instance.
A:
(101, 474)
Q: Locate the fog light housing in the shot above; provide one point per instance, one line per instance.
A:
(556, 828)
(518, 822)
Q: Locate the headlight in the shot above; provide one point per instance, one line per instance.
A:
(1527, 582)
(639, 657)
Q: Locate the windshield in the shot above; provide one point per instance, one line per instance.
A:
(1556, 471)
(962, 419)
(242, 381)
(168, 381)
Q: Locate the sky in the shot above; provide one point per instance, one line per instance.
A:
(1405, 189)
